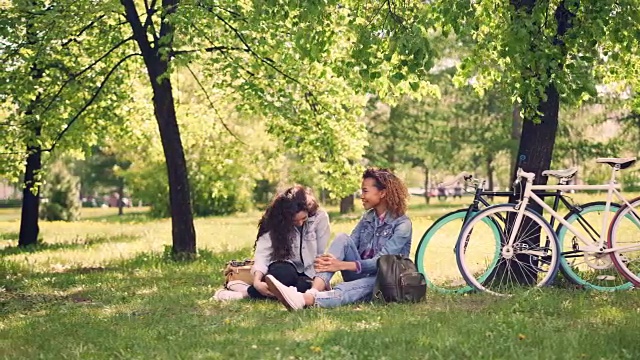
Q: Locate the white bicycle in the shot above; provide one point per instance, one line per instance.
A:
(529, 255)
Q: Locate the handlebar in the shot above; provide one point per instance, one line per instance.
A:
(463, 175)
(523, 174)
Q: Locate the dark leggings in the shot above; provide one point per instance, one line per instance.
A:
(286, 273)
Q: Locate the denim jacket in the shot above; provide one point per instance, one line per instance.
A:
(391, 236)
(315, 236)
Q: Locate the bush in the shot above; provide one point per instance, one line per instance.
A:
(215, 189)
(62, 195)
(11, 203)
(222, 171)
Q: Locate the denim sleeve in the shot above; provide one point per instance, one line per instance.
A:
(355, 233)
(400, 238)
(323, 231)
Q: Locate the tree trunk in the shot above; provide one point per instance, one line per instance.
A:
(427, 198)
(537, 141)
(534, 155)
(120, 196)
(29, 217)
(347, 204)
(183, 231)
(29, 228)
(490, 184)
(516, 132)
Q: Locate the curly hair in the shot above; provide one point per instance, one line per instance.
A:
(278, 219)
(397, 193)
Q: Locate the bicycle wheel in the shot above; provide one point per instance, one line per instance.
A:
(435, 255)
(624, 236)
(591, 271)
(531, 261)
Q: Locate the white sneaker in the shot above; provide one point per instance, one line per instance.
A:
(238, 286)
(288, 296)
(226, 295)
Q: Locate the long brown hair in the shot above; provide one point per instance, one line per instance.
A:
(278, 219)
(397, 193)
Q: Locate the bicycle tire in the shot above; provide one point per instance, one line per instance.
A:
(511, 262)
(421, 258)
(590, 278)
(620, 260)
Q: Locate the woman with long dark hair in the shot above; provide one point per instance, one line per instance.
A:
(292, 232)
(383, 229)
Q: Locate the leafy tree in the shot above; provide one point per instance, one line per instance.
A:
(257, 48)
(53, 79)
(62, 191)
(542, 52)
(460, 130)
(103, 169)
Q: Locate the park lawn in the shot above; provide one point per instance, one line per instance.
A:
(104, 288)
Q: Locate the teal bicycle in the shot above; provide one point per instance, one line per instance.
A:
(435, 254)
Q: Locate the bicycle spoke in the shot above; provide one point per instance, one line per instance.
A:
(508, 268)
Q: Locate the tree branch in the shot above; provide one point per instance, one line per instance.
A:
(210, 8)
(169, 7)
(310, 98)
(85, 28)
(76, 75)
(148, 23)
(11, 54)
(376, 13)
(224, 53)
(40, 12)
(139, 32)
(209, 49)
(89, 102)
(266, 61)
(206, 94)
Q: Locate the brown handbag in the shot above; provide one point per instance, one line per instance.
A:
(239, 270)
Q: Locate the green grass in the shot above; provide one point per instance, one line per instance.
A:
(103, 289)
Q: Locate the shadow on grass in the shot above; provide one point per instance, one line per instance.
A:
(126, 280)
(78, 243)
(126, 218)
(9, 236)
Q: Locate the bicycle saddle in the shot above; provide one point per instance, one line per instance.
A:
(561, 174)
(623, 163)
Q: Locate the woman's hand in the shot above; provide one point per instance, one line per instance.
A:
(262, 288)
(327, 263)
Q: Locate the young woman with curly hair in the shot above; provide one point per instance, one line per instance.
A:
(383, 229)
(291, 233)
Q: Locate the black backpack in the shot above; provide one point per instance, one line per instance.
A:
(398, 280)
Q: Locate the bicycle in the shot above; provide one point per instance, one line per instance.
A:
(528, 250)
(434, 244)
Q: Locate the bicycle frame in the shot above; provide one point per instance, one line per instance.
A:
(480, 193)
(612, 189)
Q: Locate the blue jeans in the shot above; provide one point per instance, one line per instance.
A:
(355, 288)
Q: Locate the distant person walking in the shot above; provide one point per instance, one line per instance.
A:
(442, 193)
(457, 191)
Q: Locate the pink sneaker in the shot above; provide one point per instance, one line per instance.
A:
(288, 296)
(226, 295)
